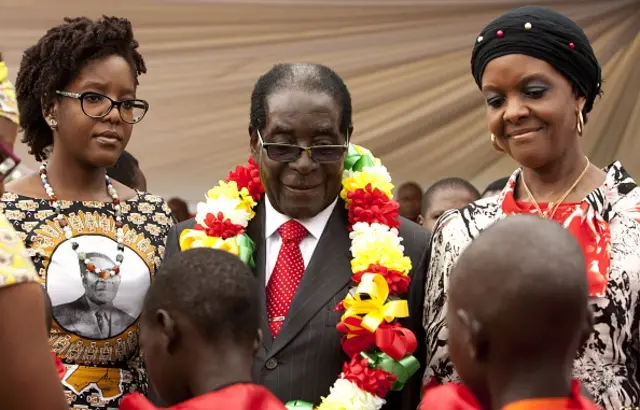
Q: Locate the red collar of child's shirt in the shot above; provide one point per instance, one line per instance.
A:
(239, 396)
(455, 396)
(576, 402)
(449, 396)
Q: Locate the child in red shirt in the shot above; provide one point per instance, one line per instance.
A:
(199, 332)
(517, 313)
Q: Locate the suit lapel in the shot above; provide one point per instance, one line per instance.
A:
(327, 273)
(255, 231)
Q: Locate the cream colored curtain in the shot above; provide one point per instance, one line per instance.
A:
(406, 63)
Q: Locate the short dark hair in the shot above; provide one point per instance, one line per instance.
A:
(413, 185)
(57, 58)
(497, 185)
(214, 289)
(125, 169)
(452, 182)
(308, 77)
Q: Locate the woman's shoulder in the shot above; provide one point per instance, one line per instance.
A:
(464, 223)
(156, 201)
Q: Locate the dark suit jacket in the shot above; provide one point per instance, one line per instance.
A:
(305, 359)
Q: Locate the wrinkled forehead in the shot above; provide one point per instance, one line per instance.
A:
(293, 108)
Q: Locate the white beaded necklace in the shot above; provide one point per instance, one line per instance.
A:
(63, 222)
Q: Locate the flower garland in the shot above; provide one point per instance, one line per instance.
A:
(379, 349)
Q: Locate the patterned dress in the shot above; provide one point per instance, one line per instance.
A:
(15, 265)
(607, 225)
(95, 330)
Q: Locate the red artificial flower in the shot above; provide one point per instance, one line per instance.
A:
(390, 338)
(375, 381)
(248, 176)
(372, 205)
(398, 283)
(217, 225)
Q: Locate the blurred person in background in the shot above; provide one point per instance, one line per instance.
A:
(8, 108)
(179, 209)
(495, 187)
(409, 196)
(9, 118)
(127, 171)
(446, 194)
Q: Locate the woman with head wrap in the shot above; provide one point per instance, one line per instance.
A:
(540, 78)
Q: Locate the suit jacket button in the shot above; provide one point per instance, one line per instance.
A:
(271, 364)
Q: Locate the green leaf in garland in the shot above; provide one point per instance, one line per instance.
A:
(298, 405)
(364, 161)
(403, 369)
(352, 157)
(246, 247)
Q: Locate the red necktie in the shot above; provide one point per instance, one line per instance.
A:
(286, 275)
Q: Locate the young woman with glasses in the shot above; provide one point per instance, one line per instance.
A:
(95, 242)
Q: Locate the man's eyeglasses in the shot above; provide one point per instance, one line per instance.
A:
(96, 105)
(290, 153)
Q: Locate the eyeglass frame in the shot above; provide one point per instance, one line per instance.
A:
(308, 150)
(114, 103)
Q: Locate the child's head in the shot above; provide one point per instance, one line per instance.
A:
(517, 302)
(448, 193)
(201, 310)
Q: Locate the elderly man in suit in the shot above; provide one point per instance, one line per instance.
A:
(93, 314)
(300, 124)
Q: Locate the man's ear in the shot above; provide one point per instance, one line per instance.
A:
(254, 144)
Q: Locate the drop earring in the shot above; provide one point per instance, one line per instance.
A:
(580, 124)
(53, 123)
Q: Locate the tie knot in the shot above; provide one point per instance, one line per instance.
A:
(292, 231)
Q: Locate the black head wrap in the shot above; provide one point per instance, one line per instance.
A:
(546, 35)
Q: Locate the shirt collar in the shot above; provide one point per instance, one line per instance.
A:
(314, 225)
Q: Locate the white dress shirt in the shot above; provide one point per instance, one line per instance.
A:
(274, 220)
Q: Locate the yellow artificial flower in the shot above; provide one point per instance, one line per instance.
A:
(230, 190)
(359, 180)
(192, 238)
(388, 256)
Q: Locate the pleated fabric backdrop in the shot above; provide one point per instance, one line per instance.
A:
(406, 63)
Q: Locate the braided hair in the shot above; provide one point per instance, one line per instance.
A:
(57, 58)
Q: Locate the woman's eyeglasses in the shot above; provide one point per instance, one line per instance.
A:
(96, 105)
(290, 153)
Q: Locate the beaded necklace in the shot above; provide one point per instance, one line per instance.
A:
(63, 222)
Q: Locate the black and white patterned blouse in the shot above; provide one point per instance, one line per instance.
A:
(608, 365)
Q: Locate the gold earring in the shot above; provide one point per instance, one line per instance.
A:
(580, 125)
(495, 144)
